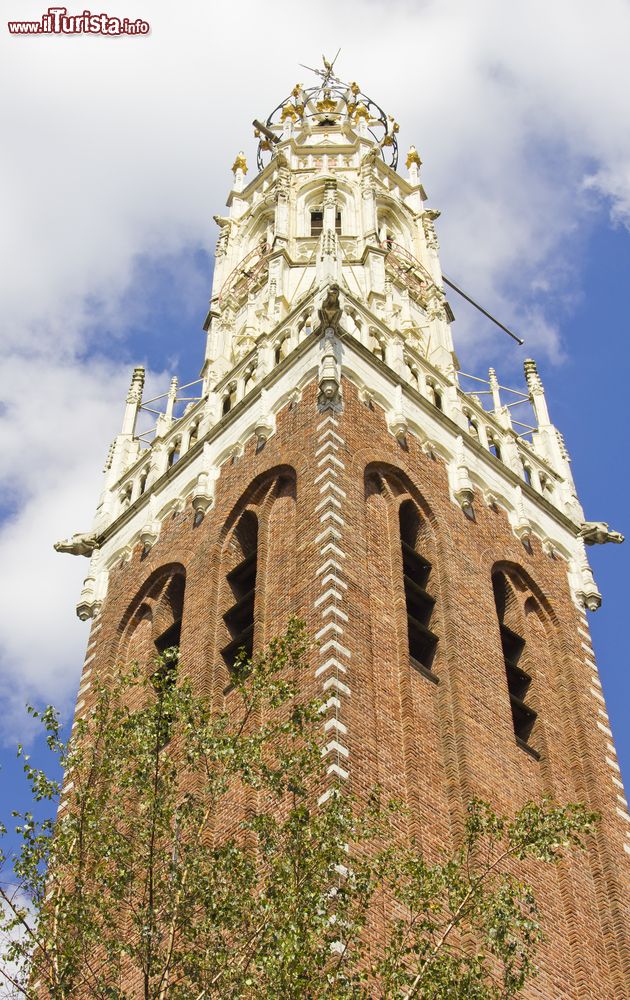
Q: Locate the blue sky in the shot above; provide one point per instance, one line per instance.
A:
(117, 153)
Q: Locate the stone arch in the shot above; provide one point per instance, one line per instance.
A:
(393, 225)
(258, 227)
(412, 541)
(229, 399)
(282, 346)
(254, 495)
(406, 597)
(401, 486)
(525, 584)
(169, 610)
(157, 606)
(376, 343)
(529, 641)
(256, 553)
(139, 637)
(310, 197)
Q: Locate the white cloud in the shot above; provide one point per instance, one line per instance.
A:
(118, 148)
(53, 440)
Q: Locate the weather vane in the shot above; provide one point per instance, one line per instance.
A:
(326, 73)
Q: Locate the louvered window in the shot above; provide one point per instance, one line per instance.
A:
(419, 601)
(239, 618)
(518, 680)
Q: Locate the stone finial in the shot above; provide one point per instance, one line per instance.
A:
(134, 399)
(240, 163)
(239, 169)
(413, 157)
(203, 492)
(88, 606)
(110, 457)
(521, 524)
(413, 164)
(589, 592)
(531, 374)
(464, 491)
(536, 391)
(137, 385)
(264, 425)
(398, 422)
(494, 389)
(171, 399)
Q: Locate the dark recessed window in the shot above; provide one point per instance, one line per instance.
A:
(494, 448)
(165, 677)
(518, 680)
(239, 618)
(171, 637)
(317, 223)
(419, 601)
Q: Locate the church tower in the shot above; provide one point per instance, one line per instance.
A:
(334, 463)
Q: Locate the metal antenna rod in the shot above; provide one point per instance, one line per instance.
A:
(265, 131)
(482, 310)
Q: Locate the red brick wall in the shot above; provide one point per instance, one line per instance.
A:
(435, 745)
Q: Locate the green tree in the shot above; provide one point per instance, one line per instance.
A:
(132, 892)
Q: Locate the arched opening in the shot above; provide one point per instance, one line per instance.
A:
(282, 349)
(138, 645)
(168, 616)
(249, 381)
(377, 346)
(419, 602)
(513, 643)
(393, 229)
(152, 626)
(229, 399)
(493, 446)
(125, 497)
(193, 434)
(317, 222)
(241, 579)
(173, 454)
(473, 427)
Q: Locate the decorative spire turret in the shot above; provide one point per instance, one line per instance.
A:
(330, 104)
(134, 400)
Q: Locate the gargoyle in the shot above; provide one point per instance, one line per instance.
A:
(330, 310)
(597, 533)
(81, 544)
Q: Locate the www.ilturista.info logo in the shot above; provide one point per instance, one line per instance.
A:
(57, 21)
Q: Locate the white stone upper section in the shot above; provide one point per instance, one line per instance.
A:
(326, 208)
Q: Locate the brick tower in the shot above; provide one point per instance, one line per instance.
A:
(332, 462)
